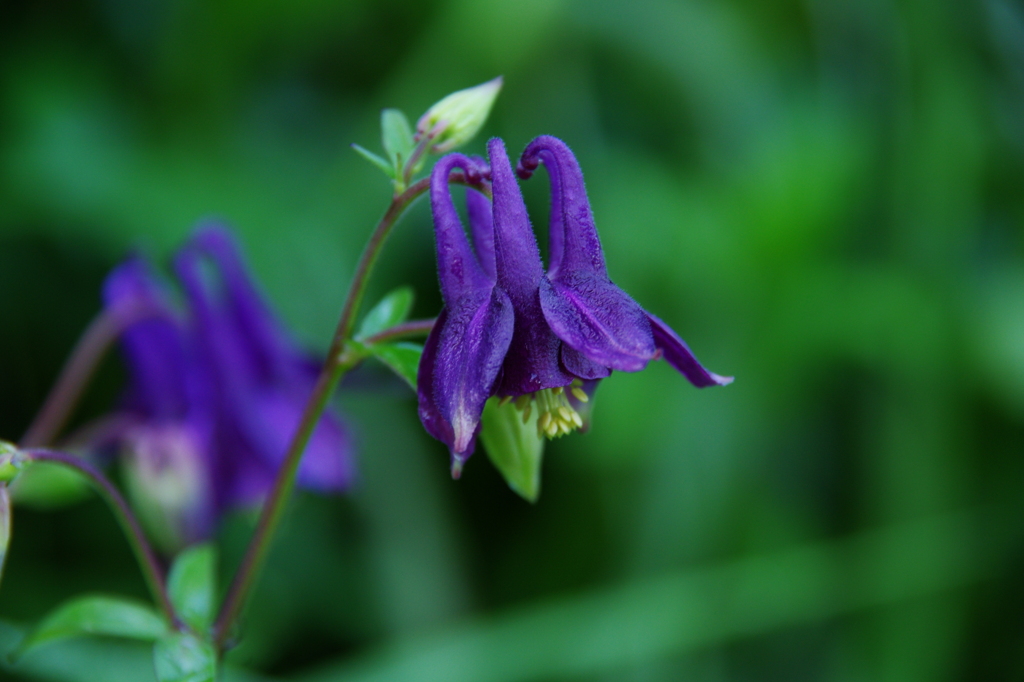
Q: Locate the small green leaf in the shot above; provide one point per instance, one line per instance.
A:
(403, 358)
(97, 615)
(514, 447)
(192, 585)
(183, 657)
(388, 169)
(396, 134)
(391, 310)
(49, 486)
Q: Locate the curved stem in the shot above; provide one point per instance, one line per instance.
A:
(143, 552)
(78, 370)
(414, 158)
(401, 331)
(338, 362)
(368, 259)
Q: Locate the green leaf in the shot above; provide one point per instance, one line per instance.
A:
(97, 615)
(49, 486)
(514, 447)
(183, 657)
(403, 358)
(396, 134)
(192, 585)
(391, 310)
(388, 169)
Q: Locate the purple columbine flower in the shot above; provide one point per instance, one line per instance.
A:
(570, 326)
(216, 391)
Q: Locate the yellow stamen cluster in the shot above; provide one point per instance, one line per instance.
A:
(555, 414)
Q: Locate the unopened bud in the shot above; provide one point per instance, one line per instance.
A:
(169, 484)
(458, 117)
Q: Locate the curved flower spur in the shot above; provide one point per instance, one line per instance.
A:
(539, 339)
(585, 309)
(464, 352)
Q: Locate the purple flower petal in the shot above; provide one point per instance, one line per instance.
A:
(155, 346)
(481, 223)
(465, 349)
(679, 355)
(326, 465)
(574, 247)
(579, 365)
(463, 364)
(583, 307)
(266, 345)
(599, 320)
(532, 363)
(430, 415)
(458, 269)
(261, 381)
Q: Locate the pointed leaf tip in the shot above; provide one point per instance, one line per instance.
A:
(391, 310)
(514, 447)
(96, 615)
(386, 167)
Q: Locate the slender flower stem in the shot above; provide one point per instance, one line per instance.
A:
(78, 370)
(401, 331)
(420, 149)
(338, 362)
(151, 569)
(415, 156)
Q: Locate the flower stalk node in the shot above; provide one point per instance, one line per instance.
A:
(12, 461)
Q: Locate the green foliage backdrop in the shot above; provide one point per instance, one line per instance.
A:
(826, 199)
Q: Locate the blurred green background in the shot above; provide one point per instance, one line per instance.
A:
(824, 197)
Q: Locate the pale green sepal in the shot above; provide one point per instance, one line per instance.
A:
(183, 657)
(403, 358)
(514, 447)
(96, 615)
(391, 310)
(388, 169)
(5, 526)
(396, 135)
(461, 115)
(192, 585)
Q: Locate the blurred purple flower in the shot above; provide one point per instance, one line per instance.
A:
(509, 328)
(216, 391)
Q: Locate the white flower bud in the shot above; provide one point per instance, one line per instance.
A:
(459, 116)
